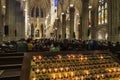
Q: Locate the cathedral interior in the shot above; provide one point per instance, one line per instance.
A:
(81, 37)
(60, 19)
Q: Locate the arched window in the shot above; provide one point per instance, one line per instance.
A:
(37, 12)
(41, 13)
(102, 12)
(32, 12)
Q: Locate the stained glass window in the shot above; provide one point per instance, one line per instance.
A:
(102, 12)
(55, 3)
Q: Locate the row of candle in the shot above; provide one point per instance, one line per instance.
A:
(67, 69)
(77, 63)
(70, 57)
(74, 67)
(73, 76)
(80, 62)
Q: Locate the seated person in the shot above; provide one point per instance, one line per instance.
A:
(54, 48)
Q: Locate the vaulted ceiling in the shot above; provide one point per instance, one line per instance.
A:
(45, 4)
(63, 5)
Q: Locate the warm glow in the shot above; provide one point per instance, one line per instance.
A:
(66, 75)
(55, 69)
(77, 14)
(98, 76)
(34, 58)
(49, 70)
(101, 57)
(71, 5)
(4, 7)
(53, 76)
(44, 70)
(38, 70)
(90, 7)
(66, 68)
(61, 69)
(62, 13)
(60, 75)
(39, 57)
(59, 56)
(110, 70)
(72, 74)
(34, 78)
(82, 78)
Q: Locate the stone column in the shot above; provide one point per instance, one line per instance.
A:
(93, 23)
(10, 17)
(118, 22)
(1, 24)
(118, 8)
(17, 21)
(58, 29)
(110, 20)
(113, 20)
(63, 26)
(80, 29)
(116, 19)
(72, 10)
(85, 15)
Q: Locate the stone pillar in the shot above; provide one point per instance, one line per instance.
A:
(110, 20)
(85, 15)
(58, 29)
(93, 23)
(118, 27)
(1, 24)
(63, 26)
(80, 29)
(72, 10)
(10, 18)
(113, 20)
(118, 22)
(14, 20)
(20, 22)
(17, 21)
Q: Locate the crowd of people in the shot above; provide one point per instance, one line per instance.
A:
(59, 45)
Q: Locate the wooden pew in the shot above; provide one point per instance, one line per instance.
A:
(11, 64)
